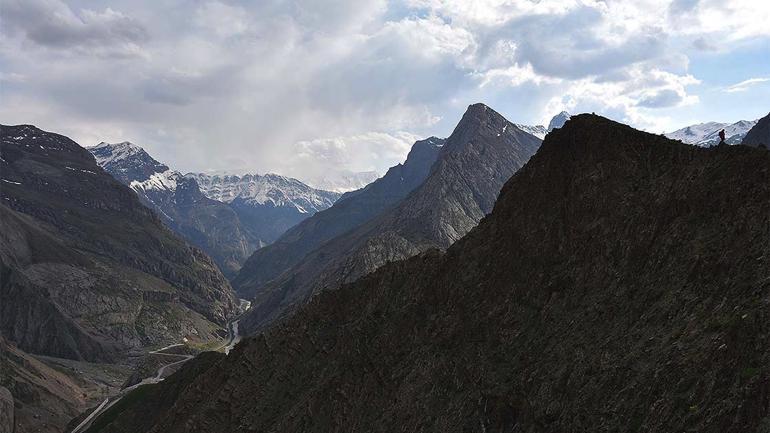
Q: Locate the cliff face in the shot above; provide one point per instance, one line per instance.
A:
(759, 135)
(87, 271)
(350, 211)
(481, 154)
(620, 284)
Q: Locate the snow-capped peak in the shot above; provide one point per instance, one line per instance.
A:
(538, 131)
(558, 120)
(707, 134)
(274, 189)
(106, 153)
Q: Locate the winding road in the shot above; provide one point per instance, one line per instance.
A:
(233, 337)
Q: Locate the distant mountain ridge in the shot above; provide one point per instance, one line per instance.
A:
(541, 131)
(707, 134)
(471, 166)
(759, 135)
(209, 224)
(270, 188)
(229, 217)
(350, 211)
(558, 120)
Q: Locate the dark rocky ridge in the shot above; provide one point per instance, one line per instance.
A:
(482, 153)
(87, 271)
(350, 211)
(621, 283)
(759, 135)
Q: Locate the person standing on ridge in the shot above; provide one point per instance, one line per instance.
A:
(721, 137)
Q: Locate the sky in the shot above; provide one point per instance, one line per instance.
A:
(309, 88)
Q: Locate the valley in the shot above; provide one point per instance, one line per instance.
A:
(371, 216)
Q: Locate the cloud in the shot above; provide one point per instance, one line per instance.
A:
(354, 153)
(661, 98)
(703, 44)
(52, 24)
(745, 84)
(316, 86)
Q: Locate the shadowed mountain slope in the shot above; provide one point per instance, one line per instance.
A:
(759, 135)
(350, 211)
(87, 271)
(621, 283)
(482, 153)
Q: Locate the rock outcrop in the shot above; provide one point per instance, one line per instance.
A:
(620, 284)
(80, 259)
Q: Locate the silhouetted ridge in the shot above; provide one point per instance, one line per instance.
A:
(619, 285)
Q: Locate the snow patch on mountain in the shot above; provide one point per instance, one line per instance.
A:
(538, 131)
(707, 134)
(270, 189)
(165, 181)
(108, 153)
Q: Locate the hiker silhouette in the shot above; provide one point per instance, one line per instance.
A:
(722, 137)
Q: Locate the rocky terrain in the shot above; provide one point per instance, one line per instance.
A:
(350, 211)
(759, 135)
(42, 396)
(620, 284)
(88, 272)
(473, 164)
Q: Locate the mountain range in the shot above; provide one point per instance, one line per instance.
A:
(88, 272)
(227, 216)
(462, 177)
(619, 284)
(426, 300)
(707, 134)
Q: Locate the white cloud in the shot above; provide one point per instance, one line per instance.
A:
(291, 86)
(745, 84)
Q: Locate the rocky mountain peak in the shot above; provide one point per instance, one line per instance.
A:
(126, 161)
(558, 120)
